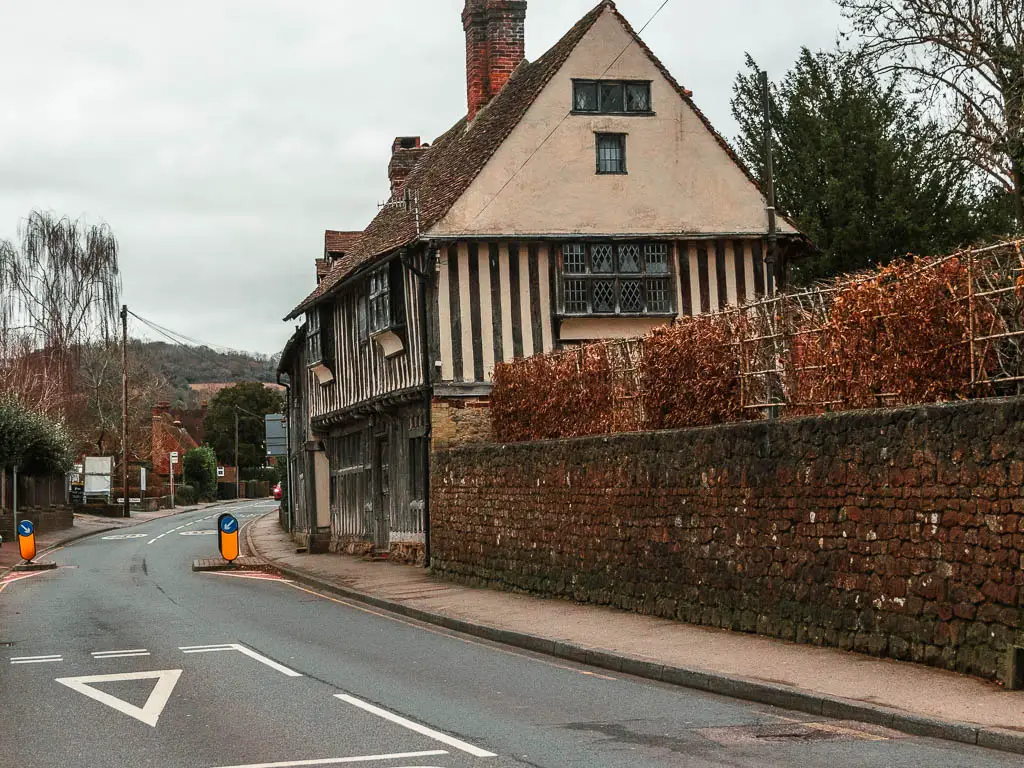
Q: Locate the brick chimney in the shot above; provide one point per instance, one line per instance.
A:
(495, 46)
(405, 153)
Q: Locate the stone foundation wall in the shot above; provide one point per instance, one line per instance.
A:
(460, 420)
(895, 532)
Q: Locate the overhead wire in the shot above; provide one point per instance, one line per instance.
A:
(567, 115)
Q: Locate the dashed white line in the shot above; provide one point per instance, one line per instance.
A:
(36, 659)
(423, 730)
(120, 654)
(241, 649)
(340, 760)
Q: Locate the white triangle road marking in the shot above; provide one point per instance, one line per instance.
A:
(148, 713)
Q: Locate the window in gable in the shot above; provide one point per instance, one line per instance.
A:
(616, 279)
(612, 97)
(611, 153)
(585, 97)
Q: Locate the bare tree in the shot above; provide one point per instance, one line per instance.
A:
(96, 421)
(965, 58)
(59, 289)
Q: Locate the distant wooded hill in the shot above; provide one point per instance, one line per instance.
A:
(181, 366)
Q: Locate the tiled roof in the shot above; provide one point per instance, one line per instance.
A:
(339, 242)
(323, 267)
(404, 160)
(446, 169)
(451, 164)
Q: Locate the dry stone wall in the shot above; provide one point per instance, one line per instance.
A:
(894, 532)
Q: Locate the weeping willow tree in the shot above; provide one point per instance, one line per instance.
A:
(60, 289)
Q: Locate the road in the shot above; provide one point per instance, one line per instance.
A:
(125, 657)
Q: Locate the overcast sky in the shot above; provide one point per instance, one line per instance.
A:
(220, 138)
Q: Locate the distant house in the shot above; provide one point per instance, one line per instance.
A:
(583, 196)
(169, 435)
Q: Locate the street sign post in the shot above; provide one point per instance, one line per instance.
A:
(227, 538)
(27, 540)
(173, 461)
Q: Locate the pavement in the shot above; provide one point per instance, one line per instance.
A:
(88, 525)
(907, 697)
(124, 656)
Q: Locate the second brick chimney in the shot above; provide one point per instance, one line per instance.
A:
(495, 46)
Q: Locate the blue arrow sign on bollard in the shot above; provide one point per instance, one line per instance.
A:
(25, 528)
(228, 524)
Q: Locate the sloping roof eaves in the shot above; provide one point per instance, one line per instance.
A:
(293, 345)
(451, 164)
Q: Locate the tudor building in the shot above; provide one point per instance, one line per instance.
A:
(583, 196)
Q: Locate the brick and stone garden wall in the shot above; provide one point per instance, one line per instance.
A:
(894, 532)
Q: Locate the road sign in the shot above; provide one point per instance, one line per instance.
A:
(27, 540)
(142, 478)
(174, 457)
(227, 526)
(133, 501)
(220, 471)
(149, 712)
(276, 434)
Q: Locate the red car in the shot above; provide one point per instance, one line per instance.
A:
(277, 492)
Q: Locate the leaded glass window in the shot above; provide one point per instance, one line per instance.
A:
(614, 97)
(380, 301)
(575, 259)
(602, 257)
(585, 97)
(604, 296)
(638, 97)
(658, 298)
(576, 297)
(314, 344)
(611, 153)
(656, 257)
(616, 279)
(629, 257)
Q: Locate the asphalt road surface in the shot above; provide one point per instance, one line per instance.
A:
(125, 657)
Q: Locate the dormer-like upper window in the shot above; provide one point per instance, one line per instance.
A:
(612, 97)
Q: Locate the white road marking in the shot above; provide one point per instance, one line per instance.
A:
(339, 760)
(241, 649)
(423, 730)
(197, 533)
(36, 659)
(120, 654)
(122, 536)
(149, 713)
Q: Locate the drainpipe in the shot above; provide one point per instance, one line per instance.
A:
(422, 279)
(288, 440)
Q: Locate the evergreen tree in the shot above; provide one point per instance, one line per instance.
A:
(864, 175)
(250, 398)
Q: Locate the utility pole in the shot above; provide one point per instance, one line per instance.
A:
(126, 512)
(769, 180)
(237, 473)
